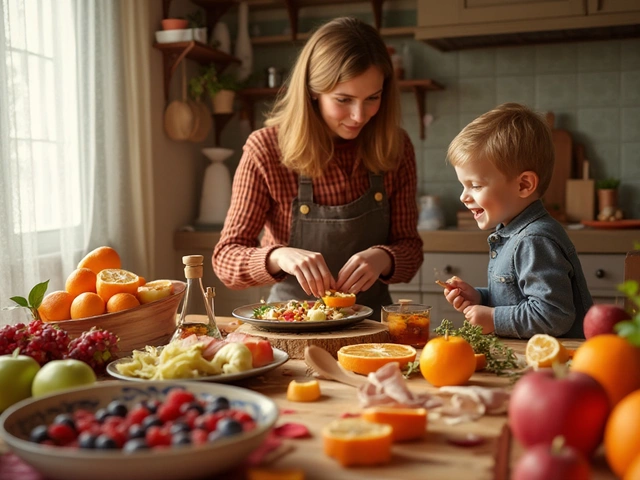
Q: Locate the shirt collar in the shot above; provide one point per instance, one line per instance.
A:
(530, 214)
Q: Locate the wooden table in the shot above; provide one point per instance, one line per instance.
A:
(432, 457)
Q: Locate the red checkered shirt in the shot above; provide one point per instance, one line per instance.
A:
(263, 190)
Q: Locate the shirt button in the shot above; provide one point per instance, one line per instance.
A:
(493, 238)
(494, 254)
(378, 196)
(304, 209)
(502, 279)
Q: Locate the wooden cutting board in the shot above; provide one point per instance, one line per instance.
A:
(555, 197)
(367, 331)
(580, 200)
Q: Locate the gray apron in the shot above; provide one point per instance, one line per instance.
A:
(338, 232)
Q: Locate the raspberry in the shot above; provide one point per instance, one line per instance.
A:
(96, 347)
(177, 397)
(61, 433)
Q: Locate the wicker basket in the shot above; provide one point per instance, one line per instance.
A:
(149, 324)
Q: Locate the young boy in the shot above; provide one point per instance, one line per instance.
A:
(504, 161)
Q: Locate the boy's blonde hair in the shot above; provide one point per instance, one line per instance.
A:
(512, 137)
(338, 51)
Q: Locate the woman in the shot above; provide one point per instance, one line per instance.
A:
(331, 178)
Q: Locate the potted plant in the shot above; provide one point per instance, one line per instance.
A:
(607, 191)
(221, 88)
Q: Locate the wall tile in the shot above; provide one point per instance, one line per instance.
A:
(516, 61)
(630, 54)
(604, 159)
(432, 63)
(444, 101)
(556, 58)
(599, 89)
(599, 57)
(436, 167)
(477, 94)
(628, 199)
(477, 63)
(558, 90)
(631, 125)
(600, 124)
(519, 89)
(631, 163)
(442, 130)
(630, 95)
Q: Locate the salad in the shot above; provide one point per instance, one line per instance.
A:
(301, 311)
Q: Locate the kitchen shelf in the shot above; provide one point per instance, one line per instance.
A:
(174, 53)
(303, 36)
(419, 87)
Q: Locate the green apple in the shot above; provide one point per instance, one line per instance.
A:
(16, 375)
(60, 375)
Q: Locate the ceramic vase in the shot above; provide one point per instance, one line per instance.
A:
(243, 50)
(220, 38)
(216, 188)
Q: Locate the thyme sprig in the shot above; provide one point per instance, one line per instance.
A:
(501, 359)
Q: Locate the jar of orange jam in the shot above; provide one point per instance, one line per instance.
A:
(408, 322)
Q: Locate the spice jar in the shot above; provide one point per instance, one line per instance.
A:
(274, 77)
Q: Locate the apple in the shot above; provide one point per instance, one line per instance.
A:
(601, 318)
(60, 375)
(16, 375)
(555, 462)
(548, 403)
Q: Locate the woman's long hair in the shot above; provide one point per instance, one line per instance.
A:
(337, 52)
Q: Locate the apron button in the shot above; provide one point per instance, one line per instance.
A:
(304, 209)
(378, 197)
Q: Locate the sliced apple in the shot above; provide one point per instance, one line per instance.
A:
(155, 290)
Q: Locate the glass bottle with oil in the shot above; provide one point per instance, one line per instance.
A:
(196, 303)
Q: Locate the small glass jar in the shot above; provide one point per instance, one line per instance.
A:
(408, 322)
(274, 77)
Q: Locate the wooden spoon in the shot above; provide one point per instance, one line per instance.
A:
(327, 366)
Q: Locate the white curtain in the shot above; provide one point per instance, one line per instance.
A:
(65, 177)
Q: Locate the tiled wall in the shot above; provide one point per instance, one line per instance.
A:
(593, 88)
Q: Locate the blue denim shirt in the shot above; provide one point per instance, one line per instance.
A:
(536, 283)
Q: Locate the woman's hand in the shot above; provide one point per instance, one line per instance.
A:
(363, 269)
(309, 268)
(460, 294)
(480, 315)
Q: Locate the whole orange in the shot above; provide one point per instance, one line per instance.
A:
(122, 301)
(86, 305)
(79, 281)
(621, 438)
(633, 472)
(100, 259)
(612, 361)
(56, 306)
(447, 361)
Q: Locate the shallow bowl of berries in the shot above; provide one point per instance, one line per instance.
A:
(118, 430)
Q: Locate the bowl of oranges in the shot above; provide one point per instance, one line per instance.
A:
(102, 294)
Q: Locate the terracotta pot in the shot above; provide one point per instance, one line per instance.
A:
(174, 24)
(223, 101)
(607, 197)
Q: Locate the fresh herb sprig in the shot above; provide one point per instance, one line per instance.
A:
(33, 302)
(630, 329)
(500, 358)
(261, 310)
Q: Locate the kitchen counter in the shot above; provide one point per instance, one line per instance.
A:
(586, 240)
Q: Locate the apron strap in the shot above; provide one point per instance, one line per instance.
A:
(305, 189)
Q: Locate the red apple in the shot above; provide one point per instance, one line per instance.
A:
(601, 318)
(555, 462)
(548, 403)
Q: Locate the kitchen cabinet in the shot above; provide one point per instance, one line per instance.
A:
(463, 24)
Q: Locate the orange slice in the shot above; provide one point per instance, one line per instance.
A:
(338, 299)
(544, 350)
(369, 357)
(354, 441)
(303, 391)
(155, 290)
(481, 361)
(115, 280)
(407, 423)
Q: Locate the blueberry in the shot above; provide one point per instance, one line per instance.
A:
(228, 427)
(134, 445)
(218, 404)
(214, 436)
(179, 427)
(181, 438)
(87, 440)
(39, 434)
(185, 407)
(151, 405)
(65, 419)
(151, 421)
(137, 431)
(105, 442)
(117, 409)
(101, 415)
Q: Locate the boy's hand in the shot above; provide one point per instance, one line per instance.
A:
(480, 315)
(460, 294)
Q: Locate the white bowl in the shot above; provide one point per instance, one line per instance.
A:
(173, 36)
(175, 463)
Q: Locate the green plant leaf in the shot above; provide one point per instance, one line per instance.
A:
(629, 288)
(37, 294)
(21, 301)
(625, 328)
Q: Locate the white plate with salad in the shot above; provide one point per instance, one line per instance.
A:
(301, 316)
